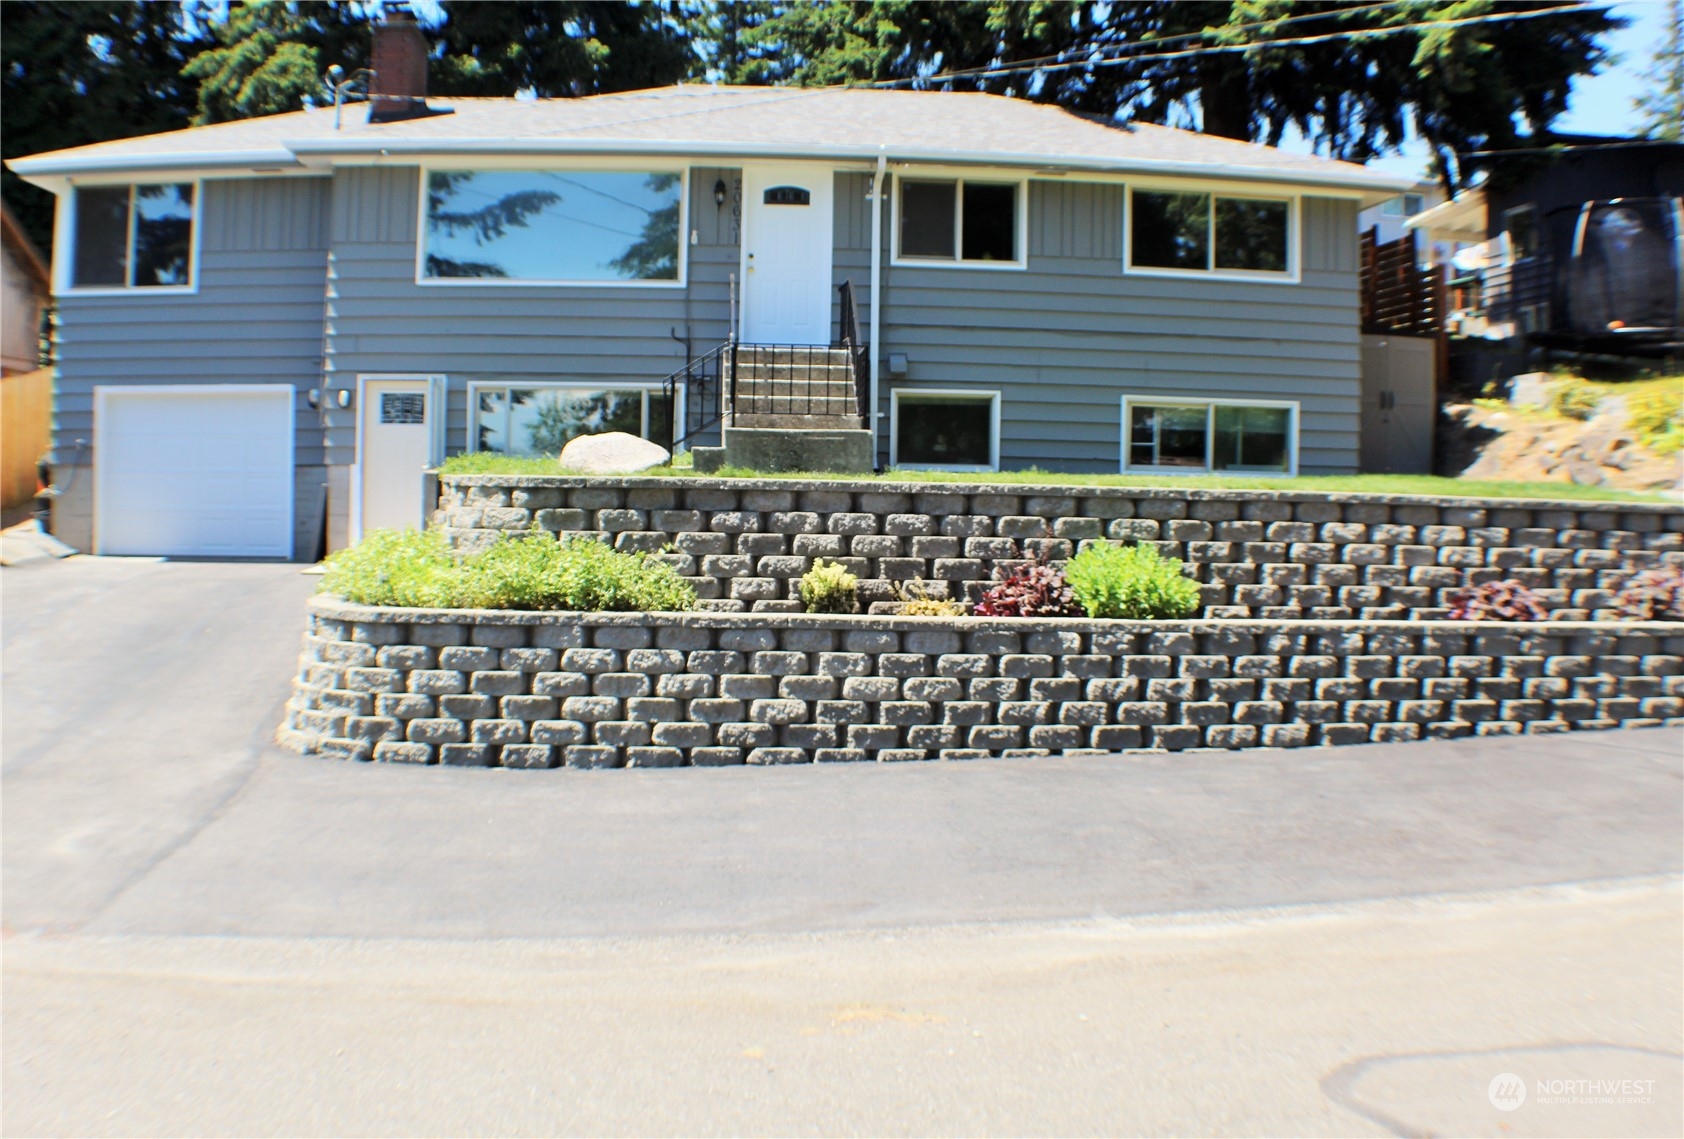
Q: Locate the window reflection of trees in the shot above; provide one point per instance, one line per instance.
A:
(651, 253)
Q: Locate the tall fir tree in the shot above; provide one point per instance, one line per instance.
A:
(269, 56)
(1662, 105)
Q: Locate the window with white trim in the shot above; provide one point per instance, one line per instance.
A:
(133, 237)
(1202, 232)
(540, 419)
(1176, 437)
(944, 429)
(959, 221)
(553, 226)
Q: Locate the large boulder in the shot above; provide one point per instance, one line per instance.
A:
(611, 453)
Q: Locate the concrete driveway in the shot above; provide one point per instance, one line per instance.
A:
(205, 934)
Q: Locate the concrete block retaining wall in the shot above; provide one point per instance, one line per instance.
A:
(649, 689)
(1257, 554)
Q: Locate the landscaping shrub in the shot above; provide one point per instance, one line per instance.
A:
(1574, 399)
(1033, 589)
(917, 602)
(1134, 582)
(1497, 601)
(829, 588)
(410, 569)
(1652, 595)
(1657, 418)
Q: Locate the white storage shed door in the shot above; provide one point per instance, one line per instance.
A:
(194, 471)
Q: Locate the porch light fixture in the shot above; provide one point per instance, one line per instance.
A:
(719, 192)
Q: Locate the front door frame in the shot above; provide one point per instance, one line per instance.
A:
(823, 169)
(437, 387)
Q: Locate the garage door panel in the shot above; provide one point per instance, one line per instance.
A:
(196, 471)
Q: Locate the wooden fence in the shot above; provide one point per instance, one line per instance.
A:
(26, 417)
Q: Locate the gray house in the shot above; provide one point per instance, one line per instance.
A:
(268, 329)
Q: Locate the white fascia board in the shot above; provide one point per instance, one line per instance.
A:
(1360, 180)
(50, 173)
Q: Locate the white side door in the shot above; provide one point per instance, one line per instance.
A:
(194, 470)
(399, 423)
(787, 223)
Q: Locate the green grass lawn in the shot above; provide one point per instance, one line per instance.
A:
(482, 463)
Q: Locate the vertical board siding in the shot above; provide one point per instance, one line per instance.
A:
(1066, 338)
(255, 319)
(379, 319)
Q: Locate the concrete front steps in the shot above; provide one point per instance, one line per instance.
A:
(794, 409)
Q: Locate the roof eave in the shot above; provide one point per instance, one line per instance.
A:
(46, 169)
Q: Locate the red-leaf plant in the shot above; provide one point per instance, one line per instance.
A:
(1652, 595)
(1497, 601)
(1033, 589)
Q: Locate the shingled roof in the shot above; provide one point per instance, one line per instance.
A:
(728, 123)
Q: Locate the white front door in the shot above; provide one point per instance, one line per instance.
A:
(787, 222)
(397, 421)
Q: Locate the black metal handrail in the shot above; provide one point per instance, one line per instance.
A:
(790, 379)
(706, 380)
(859, 353)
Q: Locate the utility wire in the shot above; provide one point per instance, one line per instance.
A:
(1223, 49)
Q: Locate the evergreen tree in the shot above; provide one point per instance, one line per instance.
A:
(1662, 107)
(78, 73)
(559, 47)
(270, 56)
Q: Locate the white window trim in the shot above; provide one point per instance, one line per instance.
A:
(1294, 238)
(64, 240)
(1020, 231)
(1209, 403)
(954, 395)
(438, 391)
(649, 391)
(680, 282)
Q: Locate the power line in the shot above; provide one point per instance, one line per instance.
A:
(1223, 49)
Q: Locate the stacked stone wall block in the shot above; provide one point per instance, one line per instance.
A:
(609, 690)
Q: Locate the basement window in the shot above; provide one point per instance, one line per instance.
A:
(944, 429)
(1203, 437)
(1223, 234)
(540, 419)
(960, 221)
(133, 237)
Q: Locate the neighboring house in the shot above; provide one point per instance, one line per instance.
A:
(27, 285)
(1388, 220)
(260, 322)
(1585, 243)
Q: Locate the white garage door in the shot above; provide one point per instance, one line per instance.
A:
(194, 471)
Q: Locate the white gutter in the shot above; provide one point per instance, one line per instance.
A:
(876, 295)
(47, 166)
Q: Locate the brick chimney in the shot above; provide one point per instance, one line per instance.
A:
(400, 70)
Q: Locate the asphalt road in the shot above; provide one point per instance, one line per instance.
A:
(204, 934)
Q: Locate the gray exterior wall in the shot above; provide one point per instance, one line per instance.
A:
(380, 320)
(255, 319)
(1066, 338)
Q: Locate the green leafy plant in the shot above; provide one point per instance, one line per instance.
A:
(829, 588)
(409, 569)
(1137, 582)
(1574, 399)
(1658, 419)
(916, 601)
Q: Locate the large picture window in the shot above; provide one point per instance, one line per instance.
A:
(540, 419)
(1210, 233)
(133, 237)
(1189, 438)
(553, 226)
(944, 429)
(960, 221)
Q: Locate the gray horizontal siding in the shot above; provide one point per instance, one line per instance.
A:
(381, 320)
(1065, 339)
(255, 319)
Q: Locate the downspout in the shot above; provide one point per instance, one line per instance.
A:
(876, 296)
